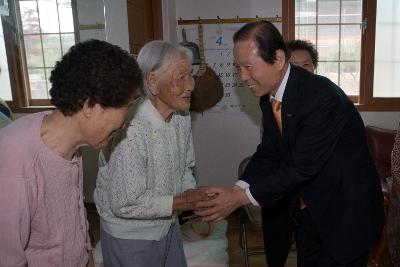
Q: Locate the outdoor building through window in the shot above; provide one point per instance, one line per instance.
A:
(44, 31)
(47, 32)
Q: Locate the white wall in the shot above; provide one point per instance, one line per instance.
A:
(169, 21)
(112, 14)
(387, 120)
(91, 12)
(192, 9)
(116, 15)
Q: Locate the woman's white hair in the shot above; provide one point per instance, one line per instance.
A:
(156, 56)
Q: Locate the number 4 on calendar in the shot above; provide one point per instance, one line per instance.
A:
(219, 40)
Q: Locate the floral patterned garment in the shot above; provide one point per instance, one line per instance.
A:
(394, 206)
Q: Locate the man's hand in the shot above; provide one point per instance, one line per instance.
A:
(223, 201)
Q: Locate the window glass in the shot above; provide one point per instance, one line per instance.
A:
(350, 45)
(33, 51)
(351, 11)
(37, 82)
(48, 33)
(5, 92)
(328, 11)
(51, 49)
(306, 11)
(67, 40)
(307, 32)
(329, 70)
(29, 17)
(65, 14)
(48, 16)
(328, 42)
(350, 77)
(334, 26)
(387, 52)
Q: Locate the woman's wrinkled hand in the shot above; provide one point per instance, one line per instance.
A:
(189, 199)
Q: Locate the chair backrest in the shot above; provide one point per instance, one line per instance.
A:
(380, 143)
(242, 165)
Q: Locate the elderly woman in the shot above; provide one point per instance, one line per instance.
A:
(148, 178)
(42, 216)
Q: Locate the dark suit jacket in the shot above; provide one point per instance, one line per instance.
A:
(322, 155)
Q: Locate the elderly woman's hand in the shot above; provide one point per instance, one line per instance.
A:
(221, 203)
(188, 199)
(195, 195)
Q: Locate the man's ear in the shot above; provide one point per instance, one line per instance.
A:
(152, 83)
(280, 58)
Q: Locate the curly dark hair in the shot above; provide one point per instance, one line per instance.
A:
(267, 38)
(96, 71)
(304, 45)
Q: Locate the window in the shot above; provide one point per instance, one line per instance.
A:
(353, 38)
(43, 31)
(387, 53)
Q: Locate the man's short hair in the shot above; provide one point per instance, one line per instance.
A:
(266, 37)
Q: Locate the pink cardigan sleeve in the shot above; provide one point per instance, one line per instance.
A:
(14, 220)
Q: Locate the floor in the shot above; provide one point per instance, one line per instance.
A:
(236, 258)
(234, 250)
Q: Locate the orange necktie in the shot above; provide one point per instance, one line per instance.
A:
(276, 109)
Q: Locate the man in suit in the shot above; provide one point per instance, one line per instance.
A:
(278, 226)
(314, 147)
(277, 223)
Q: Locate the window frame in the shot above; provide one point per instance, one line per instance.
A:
(22, 102)
(366, 100)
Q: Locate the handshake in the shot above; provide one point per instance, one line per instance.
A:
(211, 203)
(190, 199)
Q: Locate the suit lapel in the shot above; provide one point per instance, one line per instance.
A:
(285, 140)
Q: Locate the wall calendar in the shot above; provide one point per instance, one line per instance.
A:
(218, 53)
(218, 46)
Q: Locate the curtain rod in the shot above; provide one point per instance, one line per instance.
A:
(218, 20)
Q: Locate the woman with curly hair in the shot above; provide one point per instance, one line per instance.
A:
(394, 206)
(42, 216)
(145, 177)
